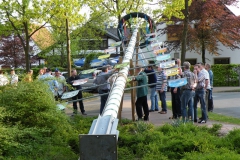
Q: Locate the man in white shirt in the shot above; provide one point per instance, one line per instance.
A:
(3, 79)
(14, 78)
(207, 87)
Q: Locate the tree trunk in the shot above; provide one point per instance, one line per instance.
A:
(184, 34)
(26, 47)
(62, 55)
(68, 49)
(119, 18)
(203, 52)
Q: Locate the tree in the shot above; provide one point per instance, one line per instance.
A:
(176, 10)
(12, 52)
(115, 9)
(68, 17)
(19, 16)
(211, 23)
(214, 24)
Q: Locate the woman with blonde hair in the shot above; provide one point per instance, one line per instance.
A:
(28, 77)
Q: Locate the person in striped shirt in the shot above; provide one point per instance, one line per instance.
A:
(162, 89)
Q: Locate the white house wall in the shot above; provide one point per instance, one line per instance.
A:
(224, 52)
(110, 41)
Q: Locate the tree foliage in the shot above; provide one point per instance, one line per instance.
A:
(115, 9)
(19, 17)
(211, 24)
(214, 23)
(12, 52)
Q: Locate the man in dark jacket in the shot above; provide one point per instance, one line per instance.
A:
(142, 92)
(71, 79)
(176, 95)
(152, 78)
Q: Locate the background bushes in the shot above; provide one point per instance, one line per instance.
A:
(225, 75)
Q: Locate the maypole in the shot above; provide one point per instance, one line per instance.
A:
(101, 141)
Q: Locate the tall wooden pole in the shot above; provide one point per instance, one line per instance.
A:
(133, 92)
(133, 84)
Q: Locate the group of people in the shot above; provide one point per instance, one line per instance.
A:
(12, 79)
(56, 82)
(58, 85)
(184, 99)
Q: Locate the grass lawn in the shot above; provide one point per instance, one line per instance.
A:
(214, 116)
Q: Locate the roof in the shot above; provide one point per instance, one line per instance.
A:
(112, 33)
(43, 38)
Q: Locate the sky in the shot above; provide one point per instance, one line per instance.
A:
(235, 9)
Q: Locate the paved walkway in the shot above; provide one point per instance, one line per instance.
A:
(92, 109)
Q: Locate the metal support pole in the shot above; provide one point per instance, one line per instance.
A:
(101, 141)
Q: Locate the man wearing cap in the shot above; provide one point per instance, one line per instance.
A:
(162, 89)
(188, 92)
(141, 103)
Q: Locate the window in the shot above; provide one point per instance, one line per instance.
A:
(192, 61)
(176, 55)
(93, 44)
(104, 44)
(222, 60)
(172, 32)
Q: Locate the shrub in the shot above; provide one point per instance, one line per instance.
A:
(173, 142)
(225, 75)
(32, 125)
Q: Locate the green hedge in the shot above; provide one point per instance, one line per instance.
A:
(225, 75)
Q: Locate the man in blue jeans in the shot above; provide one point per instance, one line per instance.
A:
(162, 89)
(102, 78)
(200, 94)
(152, 78)
(187, 92)
(210, 98)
